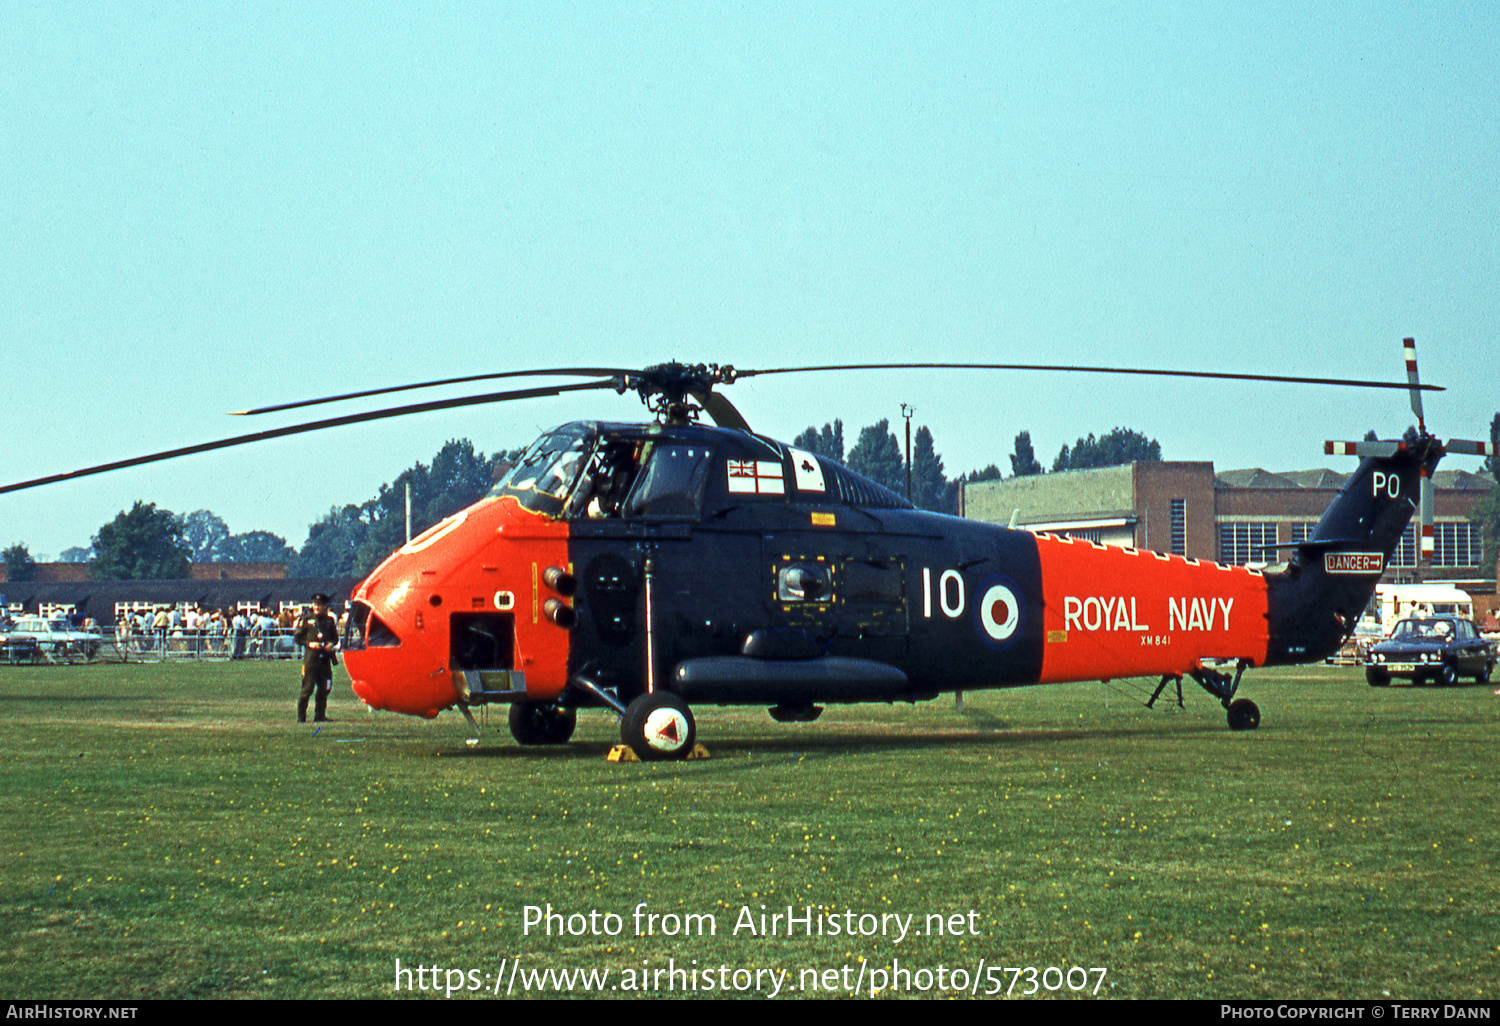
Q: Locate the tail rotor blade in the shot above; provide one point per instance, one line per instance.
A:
(1361, 448)
(1413, 382)
(1465, 447)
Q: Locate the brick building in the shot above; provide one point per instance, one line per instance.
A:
(65, 587)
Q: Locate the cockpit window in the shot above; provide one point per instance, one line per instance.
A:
(546, 473)
(581, 471)
(612, 470)
(672, 483)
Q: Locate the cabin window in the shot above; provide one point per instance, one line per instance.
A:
(671, 483)
(611, 472)
(381, 636)
(354, 628)
(873, 582)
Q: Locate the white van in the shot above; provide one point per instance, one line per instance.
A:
(1393, 603)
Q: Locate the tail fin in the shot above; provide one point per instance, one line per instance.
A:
(1314, 605)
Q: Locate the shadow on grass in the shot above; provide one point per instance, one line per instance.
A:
(844, 743)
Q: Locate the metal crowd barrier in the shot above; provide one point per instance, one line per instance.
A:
(153, 646)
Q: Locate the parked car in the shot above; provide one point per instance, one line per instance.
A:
(17, 648)
(57, 637)
(1439, 648)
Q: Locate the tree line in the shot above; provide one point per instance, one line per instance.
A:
(148, 543)
(879, 456)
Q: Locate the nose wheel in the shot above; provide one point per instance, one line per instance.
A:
(658, 726)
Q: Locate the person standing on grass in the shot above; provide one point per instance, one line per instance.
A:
(319, 635)
(241, 627)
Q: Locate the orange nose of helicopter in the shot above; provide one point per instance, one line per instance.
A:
(458, 600)
(397, 669)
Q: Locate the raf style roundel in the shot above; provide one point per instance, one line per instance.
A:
(666, 730)
(999, 614)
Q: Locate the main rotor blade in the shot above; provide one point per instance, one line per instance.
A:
(721, 410)
(317, 425)
(1283, 378)
(578, 372)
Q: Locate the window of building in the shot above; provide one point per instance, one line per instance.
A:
(1406, 552)
(1302, 532)
(1456, 545)
(1247, 543)
(1179, 527)
(123, 609)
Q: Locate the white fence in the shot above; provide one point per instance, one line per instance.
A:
(152, 646)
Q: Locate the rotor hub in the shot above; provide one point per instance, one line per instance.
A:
(667, 388)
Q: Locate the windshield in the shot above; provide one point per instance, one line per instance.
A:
(1423, 630)
(546, 472)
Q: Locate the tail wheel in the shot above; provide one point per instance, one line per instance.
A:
(532, 724)
(1243, 714)
(658, 726)
(1377, 678)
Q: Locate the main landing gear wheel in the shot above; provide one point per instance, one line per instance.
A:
(532, 724)
(658, 726)
(1243, 714)
(1377, 678)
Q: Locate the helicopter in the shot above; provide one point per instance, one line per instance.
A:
(648, 568)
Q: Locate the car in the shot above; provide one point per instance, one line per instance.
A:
(17, 648)
(55, 636)
(1439, 649)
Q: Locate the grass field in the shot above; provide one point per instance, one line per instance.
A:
(169, 832)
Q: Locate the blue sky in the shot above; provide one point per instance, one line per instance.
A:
(204, 207)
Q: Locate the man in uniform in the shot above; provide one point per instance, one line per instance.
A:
(319, 635)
